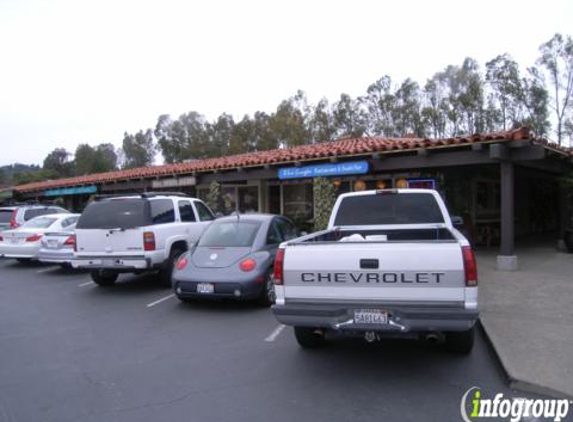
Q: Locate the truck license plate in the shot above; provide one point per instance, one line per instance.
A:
(370, 316)
(205, 288)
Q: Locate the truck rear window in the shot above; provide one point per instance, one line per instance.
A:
(115, 214)
(408, 208)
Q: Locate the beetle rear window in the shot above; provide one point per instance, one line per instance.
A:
(229, 234)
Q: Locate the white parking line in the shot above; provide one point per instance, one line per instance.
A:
(89, 283)
(163, 299)
(273, 336)
(45, 270)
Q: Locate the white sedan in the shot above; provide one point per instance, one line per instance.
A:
(24, 242)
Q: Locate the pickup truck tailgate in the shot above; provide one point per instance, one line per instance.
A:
(375, 271)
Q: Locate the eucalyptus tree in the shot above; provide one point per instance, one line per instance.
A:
(557, 60)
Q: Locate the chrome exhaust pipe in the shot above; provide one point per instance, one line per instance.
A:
(370, 336)
(319, 332)
(432, 338)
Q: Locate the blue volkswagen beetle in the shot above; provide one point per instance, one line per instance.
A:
(233, 259)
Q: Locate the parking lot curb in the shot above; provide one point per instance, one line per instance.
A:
(514, 380)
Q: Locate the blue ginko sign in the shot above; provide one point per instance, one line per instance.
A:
(324, 170)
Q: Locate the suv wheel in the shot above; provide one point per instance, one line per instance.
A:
(167, 268)
(460, 341)
(104, 278)
(307, 338)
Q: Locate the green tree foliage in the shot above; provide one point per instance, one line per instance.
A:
(59, 161)
(289, 123)
(214, 199)
(324, 199)
(34, 176)
(107, 157)
(557, 59)
(89, 160)
(138, 150)
(83, 159)
(349, 118)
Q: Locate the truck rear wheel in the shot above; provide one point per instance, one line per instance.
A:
(307, 338)
(104, 278)
(460, 341)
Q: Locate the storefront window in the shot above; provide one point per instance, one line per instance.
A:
(275, 199)
(298, 204)
(248, 199)
(229, 194)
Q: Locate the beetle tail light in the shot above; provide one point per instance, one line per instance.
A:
(247, 265)
(181, 262)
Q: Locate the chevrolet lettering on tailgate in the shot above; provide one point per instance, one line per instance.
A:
(371, 277)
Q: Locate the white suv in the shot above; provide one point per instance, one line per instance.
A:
(137, 233)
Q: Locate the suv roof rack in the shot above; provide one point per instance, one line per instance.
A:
(153, 194)
(144, 195)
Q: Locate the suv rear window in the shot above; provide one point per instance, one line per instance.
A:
(122, 213)
(5, 216)
(407, 208)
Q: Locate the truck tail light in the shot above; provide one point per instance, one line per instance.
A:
(279, 266)
(71, 241)
(247, 265)
(13, 223)
(470, 266)
(34, 238)
(148, 241)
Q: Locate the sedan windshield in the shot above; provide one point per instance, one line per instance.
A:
(39, 223)
(230, 234)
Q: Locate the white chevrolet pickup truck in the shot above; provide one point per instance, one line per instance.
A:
(390, 263)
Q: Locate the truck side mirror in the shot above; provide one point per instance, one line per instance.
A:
(457, 221)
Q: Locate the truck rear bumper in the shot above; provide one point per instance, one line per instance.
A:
(401, 318)
(119, 264)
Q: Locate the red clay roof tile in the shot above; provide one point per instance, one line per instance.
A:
(339, 148)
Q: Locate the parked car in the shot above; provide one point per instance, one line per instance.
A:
(137, 233)
(14, 216)
(390, 263)
(233, 259)
(58, 247)
(24, 242)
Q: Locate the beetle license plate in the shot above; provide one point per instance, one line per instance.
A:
(205, 288)
(370, 316)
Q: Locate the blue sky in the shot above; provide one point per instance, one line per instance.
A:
(86, 71)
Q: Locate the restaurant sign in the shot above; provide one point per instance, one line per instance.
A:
(71, 191)
(324, 170)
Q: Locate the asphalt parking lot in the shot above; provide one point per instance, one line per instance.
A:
(73, 351)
